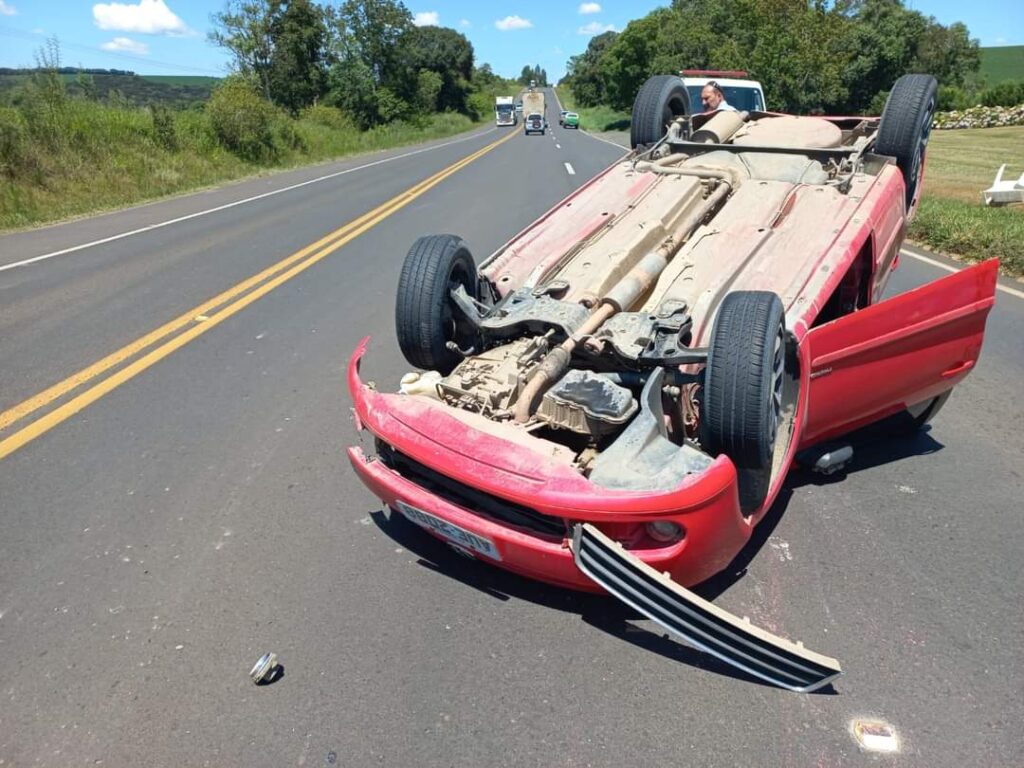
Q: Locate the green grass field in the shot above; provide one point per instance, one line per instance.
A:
(1002, 63)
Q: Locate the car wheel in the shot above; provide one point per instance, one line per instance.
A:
(660, 100)
(424, 320)
(905, 127)
(743, 388)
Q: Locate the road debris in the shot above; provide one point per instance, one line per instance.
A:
(875, 736)
(265, 670)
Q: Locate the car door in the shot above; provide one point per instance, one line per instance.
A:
(897, 353)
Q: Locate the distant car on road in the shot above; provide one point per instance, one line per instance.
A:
(561, 116)
(571, 120)
(535, 123)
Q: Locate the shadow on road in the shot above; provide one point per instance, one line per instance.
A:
(603, 613)
(873, 446)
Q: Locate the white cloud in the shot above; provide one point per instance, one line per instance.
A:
(427, 19)
(513, 22)
(586, 8)
(998, 41)
(7, 10)
(595, 28)
(464, 23)
(127, 45)
(149, 17)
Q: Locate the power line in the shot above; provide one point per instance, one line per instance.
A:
(11, 32)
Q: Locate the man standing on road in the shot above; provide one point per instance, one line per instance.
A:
(713, 98)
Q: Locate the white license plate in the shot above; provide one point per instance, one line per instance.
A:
(453, 533)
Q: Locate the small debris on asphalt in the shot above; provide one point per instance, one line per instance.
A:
(265, 669)
(875, 736)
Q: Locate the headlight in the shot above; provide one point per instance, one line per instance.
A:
(665, 531)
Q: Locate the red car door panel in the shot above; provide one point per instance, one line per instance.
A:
(897, 353)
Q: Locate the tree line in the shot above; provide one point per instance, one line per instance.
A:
(365, 57)
(838, 57)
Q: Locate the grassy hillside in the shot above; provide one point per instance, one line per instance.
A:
(139, 90)
(195, 81)
(1002, 63)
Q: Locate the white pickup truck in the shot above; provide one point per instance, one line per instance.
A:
(743, 94)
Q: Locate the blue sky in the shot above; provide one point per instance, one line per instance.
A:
(169, 36)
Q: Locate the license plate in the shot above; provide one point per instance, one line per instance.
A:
(453, 533)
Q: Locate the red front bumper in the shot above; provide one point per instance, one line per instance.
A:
(705, 505)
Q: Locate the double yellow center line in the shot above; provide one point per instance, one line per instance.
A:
(202, 318)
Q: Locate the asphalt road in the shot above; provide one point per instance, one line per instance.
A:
(160, 534)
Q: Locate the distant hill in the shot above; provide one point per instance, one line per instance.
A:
(169, 90)
(1002, 63)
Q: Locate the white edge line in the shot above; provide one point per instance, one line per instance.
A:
(948, 268)
(585, 132)
(569, 169)
(224, 207)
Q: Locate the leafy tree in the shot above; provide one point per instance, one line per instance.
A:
(243, 27)
(534, 73)
(583, 72)
(365, 50)
(810, 55)
(428, 88)
(440, 50)
(298, 64)
(371, 30)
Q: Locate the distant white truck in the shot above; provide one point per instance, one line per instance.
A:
(504, 111)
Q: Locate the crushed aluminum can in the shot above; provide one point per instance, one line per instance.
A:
(265, 669)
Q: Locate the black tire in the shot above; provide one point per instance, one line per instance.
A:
(423, 312)
(743, 388)
(660, 100)
(906, 125)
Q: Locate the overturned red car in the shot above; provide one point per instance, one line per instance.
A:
(638, 368)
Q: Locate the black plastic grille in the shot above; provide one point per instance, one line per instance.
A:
(734, 644)
(469, 498)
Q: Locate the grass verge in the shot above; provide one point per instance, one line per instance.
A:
(971, 231)
(85, 157)
(600, 118)
(952, 218)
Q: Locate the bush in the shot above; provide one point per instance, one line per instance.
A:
(164, 130)
(1007, 94)
(329, 117)
(951, 97)
(390, 107)
(243, 121)
(286, 134)
(877, 103)
(13, 141)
